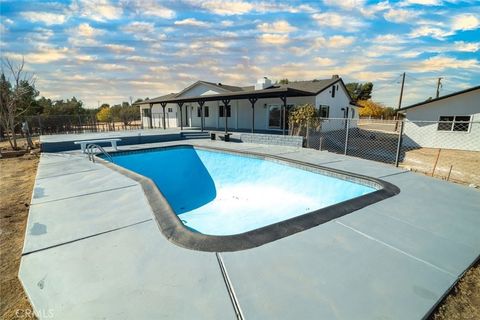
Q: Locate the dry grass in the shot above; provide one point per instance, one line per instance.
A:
(463, 303)
(455, 165)
(17, 176)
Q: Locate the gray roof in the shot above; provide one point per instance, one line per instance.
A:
(312, 86)
(439, 98)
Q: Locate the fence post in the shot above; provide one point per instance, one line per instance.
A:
(399, 144)
(347, 126)
(308, 135)
(39, 118)
(320, 142)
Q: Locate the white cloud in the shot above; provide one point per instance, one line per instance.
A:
(139, 27)
(227, 23)
(84, 35)
(191, 22)
(345, 4)
(119, 48)
(112, 67)
(148, 8)
(139, 59)
(389, 38)
(427, 31)
(225, 7)
(159, 69)
(336, 41)
(280, 26)
(466, 46)
(370, 11)
(39, 35)
(400, 15)
(44, 54)
(274, 38)
(410, 54)
(87, 31)
(466, 21)
(440, 63)
(98, 10)
(323, 61)
(338, 21)
(381, 49)
(85, 58)
(47, 18)
(422, 2)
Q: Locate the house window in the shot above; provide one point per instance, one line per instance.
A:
(205, 112)
(333, 91)
(146, 113)
(323, 111)
(221, 111)
(454, 123)
(170, 109)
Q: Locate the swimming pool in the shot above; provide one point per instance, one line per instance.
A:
(214, 193)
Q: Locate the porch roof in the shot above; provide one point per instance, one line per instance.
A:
(273, 92)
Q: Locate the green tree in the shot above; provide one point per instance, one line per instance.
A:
(360, 91)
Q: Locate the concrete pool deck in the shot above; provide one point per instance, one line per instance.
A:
(93, 250)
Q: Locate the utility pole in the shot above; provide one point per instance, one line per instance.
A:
(439, 84)
(401, 91)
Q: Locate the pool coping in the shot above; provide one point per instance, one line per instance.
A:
(176, 232)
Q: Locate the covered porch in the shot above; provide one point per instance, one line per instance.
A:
(277, 121)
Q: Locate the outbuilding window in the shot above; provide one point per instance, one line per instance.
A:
(146, 113)
(454, 123)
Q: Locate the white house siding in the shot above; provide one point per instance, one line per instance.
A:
(241, 110)
(418, 134)
(341, 100)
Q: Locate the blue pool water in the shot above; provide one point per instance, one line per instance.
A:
(221, 194)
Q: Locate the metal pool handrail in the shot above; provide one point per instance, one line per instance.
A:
(91, 155)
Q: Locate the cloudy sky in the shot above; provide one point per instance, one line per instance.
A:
(109, 51)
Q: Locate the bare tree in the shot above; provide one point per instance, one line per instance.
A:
(14, 86)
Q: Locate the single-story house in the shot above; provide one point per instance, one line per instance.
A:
(262, 107)
(450, 122)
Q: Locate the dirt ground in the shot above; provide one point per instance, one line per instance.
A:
(17, 177)
(453, 165)
(463, 302)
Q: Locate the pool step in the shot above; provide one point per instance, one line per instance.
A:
(195, 135)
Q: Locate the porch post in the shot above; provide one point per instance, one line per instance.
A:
(225, 114)
(252, 101)
(202, 119)
(284, 112)
(180, 105)
(151, 116)
(163, 104)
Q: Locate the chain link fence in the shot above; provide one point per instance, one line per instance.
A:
(448, 149)
(59, 124)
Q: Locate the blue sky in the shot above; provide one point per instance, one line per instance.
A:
(109, 51)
